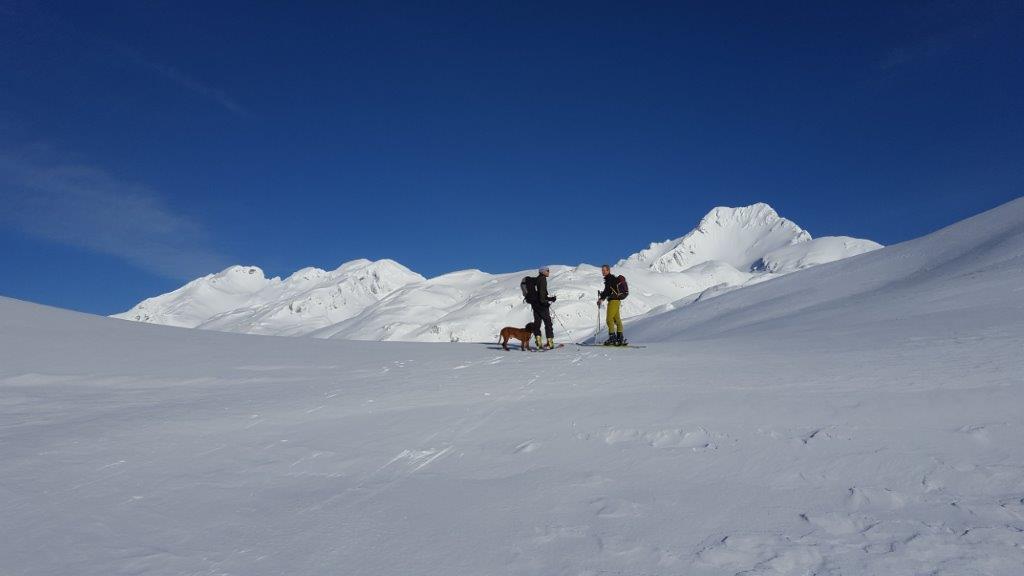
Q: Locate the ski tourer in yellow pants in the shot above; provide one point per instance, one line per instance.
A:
(615, 291)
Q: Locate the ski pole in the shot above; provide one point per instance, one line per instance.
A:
(560, 323)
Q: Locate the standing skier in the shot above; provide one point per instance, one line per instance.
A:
(535, 291)
(615, 291)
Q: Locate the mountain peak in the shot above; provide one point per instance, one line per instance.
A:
(755, 213)
(238, 273)
(739, 237)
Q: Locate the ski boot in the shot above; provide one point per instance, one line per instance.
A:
(620, 340)
(612, 340)
(551, 344)
(536, 340)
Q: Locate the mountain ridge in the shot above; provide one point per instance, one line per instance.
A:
(383, 300)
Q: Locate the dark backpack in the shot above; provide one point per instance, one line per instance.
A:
(529, 288)
(625, 288)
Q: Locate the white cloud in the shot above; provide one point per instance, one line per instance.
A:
(86, 207)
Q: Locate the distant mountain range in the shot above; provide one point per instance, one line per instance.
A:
(383, 300)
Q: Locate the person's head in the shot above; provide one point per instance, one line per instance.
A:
(605, 270)
(546, 271)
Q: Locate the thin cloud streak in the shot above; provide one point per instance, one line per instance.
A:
(85, 207)
(189, 83)
(52, 25)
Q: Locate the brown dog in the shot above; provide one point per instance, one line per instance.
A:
(522, 334)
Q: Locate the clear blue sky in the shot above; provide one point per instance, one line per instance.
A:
(146, 143)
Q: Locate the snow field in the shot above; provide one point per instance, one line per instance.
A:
(150, 450)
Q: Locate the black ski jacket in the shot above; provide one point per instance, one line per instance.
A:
(542, 291)
(614, 288)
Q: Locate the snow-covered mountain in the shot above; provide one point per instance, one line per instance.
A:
(738, 237)
(242, 299)
(859, 418)
(362, 300)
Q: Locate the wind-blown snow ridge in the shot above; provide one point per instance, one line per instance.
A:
(363, 300)
(812, 253)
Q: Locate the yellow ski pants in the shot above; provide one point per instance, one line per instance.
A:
(614, 318)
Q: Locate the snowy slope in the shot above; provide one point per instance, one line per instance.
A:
(812, 253)
(857, 418)
(242, 299)
(976, 265)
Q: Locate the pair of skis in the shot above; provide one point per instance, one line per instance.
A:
(585, 345)
(595, 345)
(546, 349)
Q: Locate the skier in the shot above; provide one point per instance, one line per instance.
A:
(535, 291)
(615, 291)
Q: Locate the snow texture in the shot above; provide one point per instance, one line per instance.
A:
(862, 417)
(365, 300)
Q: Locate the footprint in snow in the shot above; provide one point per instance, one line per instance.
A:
(980, 433)
(672, 438)
(807, 436)
(526, 447)
(838, 524)
(615, 508)
(760, 554)
(870, 498)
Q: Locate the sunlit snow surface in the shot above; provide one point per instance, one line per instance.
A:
(784, 428)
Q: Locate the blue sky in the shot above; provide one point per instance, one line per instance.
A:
(146, 143)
